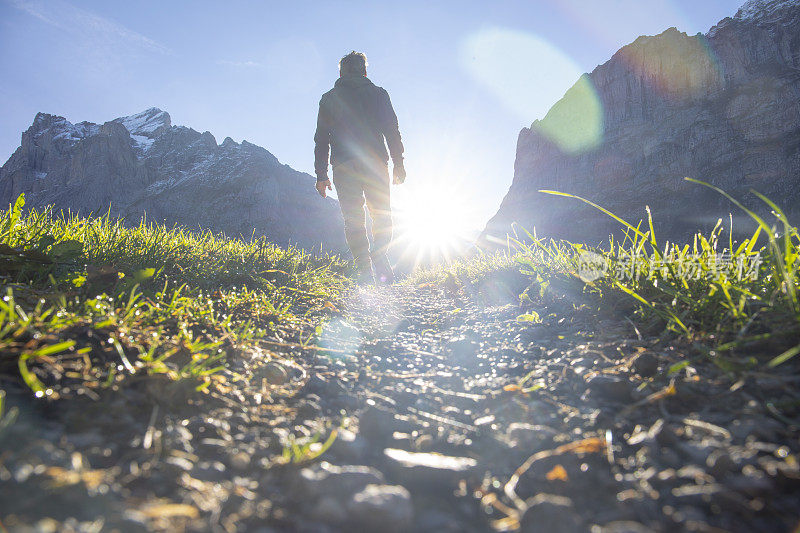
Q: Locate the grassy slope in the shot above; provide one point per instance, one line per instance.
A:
(89, 302)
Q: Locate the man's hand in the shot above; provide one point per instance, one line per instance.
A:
(399, 174)
(322, 186)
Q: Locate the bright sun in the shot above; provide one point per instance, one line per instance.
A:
(431, 221)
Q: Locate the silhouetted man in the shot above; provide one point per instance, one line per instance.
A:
(354, 119)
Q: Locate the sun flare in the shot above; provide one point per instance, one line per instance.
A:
(432, 221)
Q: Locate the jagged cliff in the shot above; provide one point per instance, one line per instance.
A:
(723, 107)
(142, 164)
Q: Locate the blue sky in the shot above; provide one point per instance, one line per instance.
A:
(464, 76)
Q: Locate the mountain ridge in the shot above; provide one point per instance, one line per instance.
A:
(722, 107)
(143, 164)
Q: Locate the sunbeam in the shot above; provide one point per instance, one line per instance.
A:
(434, 222)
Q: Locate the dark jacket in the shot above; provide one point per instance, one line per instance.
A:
(354, 118)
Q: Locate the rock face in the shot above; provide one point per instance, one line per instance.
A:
(723, 107)
(143, 165)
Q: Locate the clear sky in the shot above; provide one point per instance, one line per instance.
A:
(464, 76)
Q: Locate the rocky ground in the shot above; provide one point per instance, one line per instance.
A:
(442, 412)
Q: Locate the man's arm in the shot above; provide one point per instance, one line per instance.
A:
(390, 129)
(322, 143)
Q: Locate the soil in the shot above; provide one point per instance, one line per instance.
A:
(448, 413)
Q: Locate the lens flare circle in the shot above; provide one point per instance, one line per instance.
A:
(526, 72)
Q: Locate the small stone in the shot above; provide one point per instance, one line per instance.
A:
(240, 461)
(721, 463)
(382, 507)
(609, 388)
(328, 388)
(430, 460)
(273, 373)
(646, 365)
(308, 410)
(428, 469)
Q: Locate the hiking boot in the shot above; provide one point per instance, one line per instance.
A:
(383, 271)
(364, 276)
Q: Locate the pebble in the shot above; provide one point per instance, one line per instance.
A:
(327, 388)
(609, 388)
(721, 463)
(428, 469)
(240, 461)
(385, 508)
(272, 372)
(308, 410)
(646, 365)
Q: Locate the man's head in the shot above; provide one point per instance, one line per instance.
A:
(353, 64)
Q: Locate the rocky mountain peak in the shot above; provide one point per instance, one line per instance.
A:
(146, 126)
(57, 129)
(44, 119)
(758, 9)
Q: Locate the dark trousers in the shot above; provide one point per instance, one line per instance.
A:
(358, 182)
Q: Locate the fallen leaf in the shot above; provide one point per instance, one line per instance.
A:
(557, 473)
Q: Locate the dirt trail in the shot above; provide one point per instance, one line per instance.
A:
(450, 415)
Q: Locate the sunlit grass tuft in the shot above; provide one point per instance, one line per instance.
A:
(470, 271)
(88, 301)
(739, 297)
